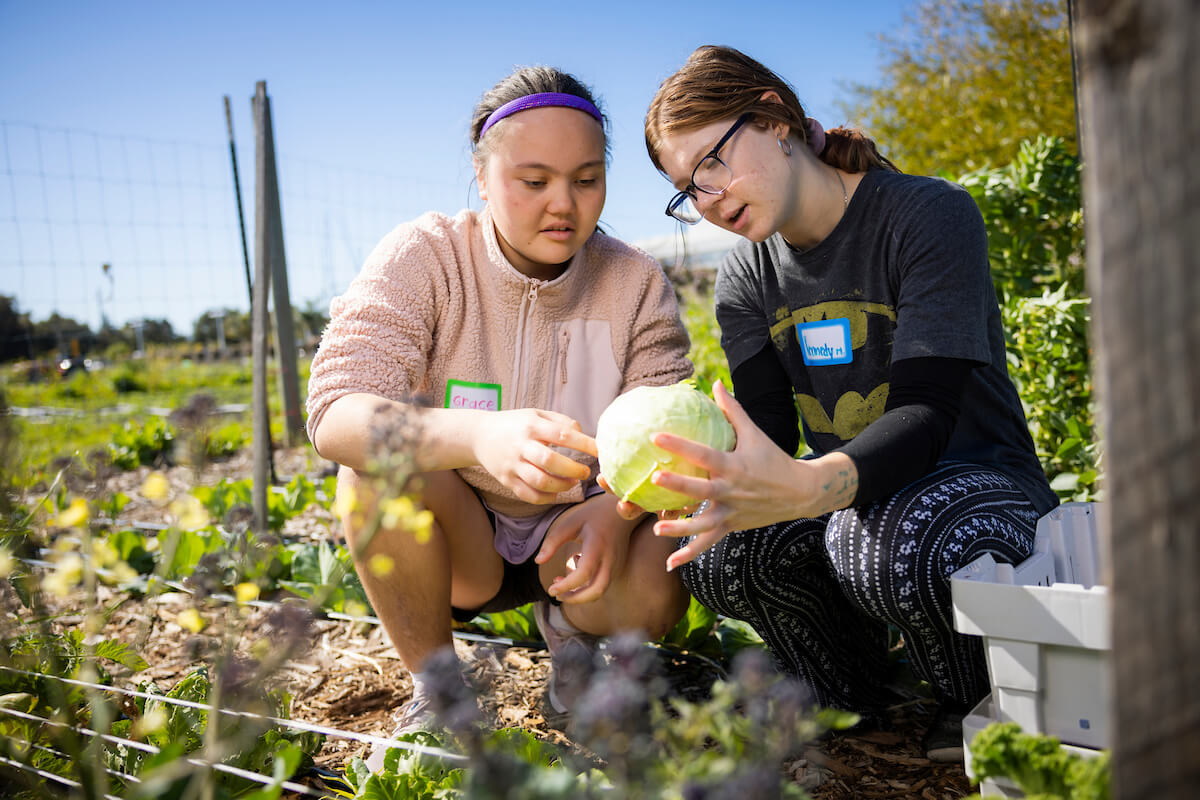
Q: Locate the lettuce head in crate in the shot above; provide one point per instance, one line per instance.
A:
(628, 458)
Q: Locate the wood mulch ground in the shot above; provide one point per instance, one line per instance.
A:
(347, 676)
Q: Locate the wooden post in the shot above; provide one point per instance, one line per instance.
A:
(258, 313)
(237, 194)
(1140, 72)
(285, 335)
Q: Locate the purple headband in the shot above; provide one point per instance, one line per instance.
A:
(816, 135)
(537, 101)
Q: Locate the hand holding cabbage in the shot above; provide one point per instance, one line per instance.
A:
(752, 485)
(628, 459)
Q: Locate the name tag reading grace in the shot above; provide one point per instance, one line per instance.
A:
(464, 394)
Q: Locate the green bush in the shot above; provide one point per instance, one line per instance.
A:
(1034, 218)
(226, 440)
(705, 353)
(1048, 361)
(128, 378)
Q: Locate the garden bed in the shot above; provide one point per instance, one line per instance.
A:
(346, 676)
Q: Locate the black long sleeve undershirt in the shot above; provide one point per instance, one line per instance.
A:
(905, 443)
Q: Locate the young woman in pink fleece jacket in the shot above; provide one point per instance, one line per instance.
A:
(499, 336)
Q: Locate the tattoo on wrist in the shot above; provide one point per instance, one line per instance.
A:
(841, 489)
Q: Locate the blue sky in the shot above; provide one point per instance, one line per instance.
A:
(114, 133)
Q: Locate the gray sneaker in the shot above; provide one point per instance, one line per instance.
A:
(415, 715)
(572, 658)
(943, 740)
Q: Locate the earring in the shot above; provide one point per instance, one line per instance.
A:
(785, 146)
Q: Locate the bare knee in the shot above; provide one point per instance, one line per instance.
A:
(665, 607)
(654, 598)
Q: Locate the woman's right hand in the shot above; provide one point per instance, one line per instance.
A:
(517, 448)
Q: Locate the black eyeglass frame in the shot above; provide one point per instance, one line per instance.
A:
(689, 191)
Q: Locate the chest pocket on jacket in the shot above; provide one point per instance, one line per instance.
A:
(584, 377)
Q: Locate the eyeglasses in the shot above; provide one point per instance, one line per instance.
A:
(711, 176)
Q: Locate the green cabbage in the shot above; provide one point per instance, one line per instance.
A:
(627, 456)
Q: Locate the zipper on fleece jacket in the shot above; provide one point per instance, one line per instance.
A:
(520, 365)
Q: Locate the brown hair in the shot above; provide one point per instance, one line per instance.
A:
(717, 83)
(526, 81)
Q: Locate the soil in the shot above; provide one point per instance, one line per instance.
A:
(347, 676)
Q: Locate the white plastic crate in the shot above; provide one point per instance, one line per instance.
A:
(1045, 628)
(980, 717)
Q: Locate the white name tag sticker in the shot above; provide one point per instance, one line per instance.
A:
(464, 394)
(825, 342)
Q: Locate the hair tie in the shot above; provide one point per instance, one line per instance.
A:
(815, 134)
(538, 101)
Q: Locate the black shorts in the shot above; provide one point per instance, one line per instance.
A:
(520, 585)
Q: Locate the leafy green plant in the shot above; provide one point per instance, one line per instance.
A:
(1039, 765)
(129, 378)
(226, 441)
(1034, 215)
(135, 444)
(72, 387)
(1032, 208)
(705, 335)
(636, 744)
(181, 730)
(406, 774)
(283, 503)
(132, 547)
(326, 576)
(1048, 360)
(182, 550)
(517, 624)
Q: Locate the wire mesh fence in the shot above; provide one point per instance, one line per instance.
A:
(108, 229)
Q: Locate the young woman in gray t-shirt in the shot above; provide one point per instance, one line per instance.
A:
(860, 298)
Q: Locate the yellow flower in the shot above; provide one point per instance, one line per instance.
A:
(345, 502)
(355, 609)
(121, 573)
(190, 512)
(246, 592)
(423, 526)
(103, 553)
(155, 487)
(397, 511)
(381, 565)
(7, 563)
(67, 574)
(73, 515)
(55, 583)
(152, 721)
(190, 619)
(401, 512)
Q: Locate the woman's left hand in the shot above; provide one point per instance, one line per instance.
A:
(753, 485)
(602, 535)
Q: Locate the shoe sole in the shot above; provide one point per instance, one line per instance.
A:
(945, 755)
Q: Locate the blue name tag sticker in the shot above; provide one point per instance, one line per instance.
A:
(825, 342)
(465, 394)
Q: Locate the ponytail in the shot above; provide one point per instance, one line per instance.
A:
(851, 150)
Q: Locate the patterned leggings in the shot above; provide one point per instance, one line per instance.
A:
(822, 592)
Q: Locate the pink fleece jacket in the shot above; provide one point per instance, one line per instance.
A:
(439, 317)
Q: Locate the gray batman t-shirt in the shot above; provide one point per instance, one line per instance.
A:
(903, 275)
